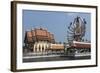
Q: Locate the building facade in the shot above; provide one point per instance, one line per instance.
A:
(39, 40)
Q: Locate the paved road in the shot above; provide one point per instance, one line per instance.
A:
(54, 58)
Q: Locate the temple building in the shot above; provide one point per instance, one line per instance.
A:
(79, 49)
(40, 40)
(38, 34)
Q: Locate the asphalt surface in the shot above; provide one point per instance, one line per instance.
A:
(57, 58)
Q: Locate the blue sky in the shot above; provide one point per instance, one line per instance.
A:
(56, 22)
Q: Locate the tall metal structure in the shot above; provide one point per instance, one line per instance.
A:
(75, 35)
(76, 30)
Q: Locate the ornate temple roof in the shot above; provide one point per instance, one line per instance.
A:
(39, 34)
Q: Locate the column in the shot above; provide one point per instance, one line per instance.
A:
(34, 48)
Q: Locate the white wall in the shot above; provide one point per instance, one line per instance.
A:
(5, 37)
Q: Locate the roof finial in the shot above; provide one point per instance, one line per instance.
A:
(41, 28)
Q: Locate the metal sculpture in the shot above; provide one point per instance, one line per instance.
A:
(76, 30)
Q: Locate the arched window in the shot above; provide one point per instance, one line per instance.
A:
(42, 47)
(39, 48)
